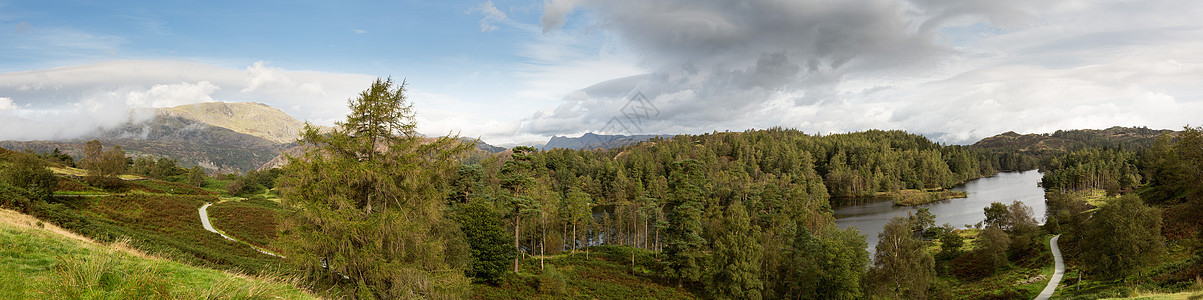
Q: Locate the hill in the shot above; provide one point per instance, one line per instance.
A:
(1068, 140)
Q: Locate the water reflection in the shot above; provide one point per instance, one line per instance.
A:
(870, 215)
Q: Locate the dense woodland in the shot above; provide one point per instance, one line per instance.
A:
(1127, 212)
(725, 215)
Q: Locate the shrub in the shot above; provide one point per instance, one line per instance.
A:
(552, 282)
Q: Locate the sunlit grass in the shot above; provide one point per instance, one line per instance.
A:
(42, 261)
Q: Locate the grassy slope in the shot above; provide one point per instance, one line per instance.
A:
(159, 217)
(39, 260)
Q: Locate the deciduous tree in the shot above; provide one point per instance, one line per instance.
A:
(902, 268)
(1123, 238)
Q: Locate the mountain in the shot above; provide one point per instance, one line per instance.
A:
(1065, 140)
(256, 119)
(596, 141)
(220, 137)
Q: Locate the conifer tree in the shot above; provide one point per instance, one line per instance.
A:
(516, 177)
(369, 200)
(684, 245)
(490, 249)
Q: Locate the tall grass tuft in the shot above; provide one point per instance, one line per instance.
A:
(104, 276)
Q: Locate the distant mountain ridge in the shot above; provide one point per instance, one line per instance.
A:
(220, 137)
(596, 141)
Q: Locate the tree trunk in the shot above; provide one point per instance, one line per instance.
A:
(543, 244)
(516, 241)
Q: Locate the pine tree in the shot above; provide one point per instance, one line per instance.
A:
(684, 245)
(369, 201)
(490, 250)
(516, 177)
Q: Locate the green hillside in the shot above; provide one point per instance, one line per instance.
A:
(41, 261)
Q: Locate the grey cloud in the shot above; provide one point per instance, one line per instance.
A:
(555, 12)
(831, 66)
(715, 61)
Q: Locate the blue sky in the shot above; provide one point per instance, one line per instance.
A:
(516, 71)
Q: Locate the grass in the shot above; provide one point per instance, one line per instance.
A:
(39, 260)
(1195, 295)
(605, 274)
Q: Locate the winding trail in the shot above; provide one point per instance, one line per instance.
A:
(204, 216)
(1058, 271)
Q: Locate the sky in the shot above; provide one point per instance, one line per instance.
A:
(520, 71)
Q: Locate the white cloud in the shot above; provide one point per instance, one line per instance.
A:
(492, 16)
(359, 31)
(6, 104)
(167, 95)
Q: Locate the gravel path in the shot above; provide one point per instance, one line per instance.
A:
(1059, 270)
(204, 216)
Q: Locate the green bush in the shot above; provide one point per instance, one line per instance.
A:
(552, 282)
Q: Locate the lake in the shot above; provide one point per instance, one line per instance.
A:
(870, 215)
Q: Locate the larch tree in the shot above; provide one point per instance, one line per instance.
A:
(369, 204)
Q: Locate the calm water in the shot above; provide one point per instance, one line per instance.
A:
(870, 216)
